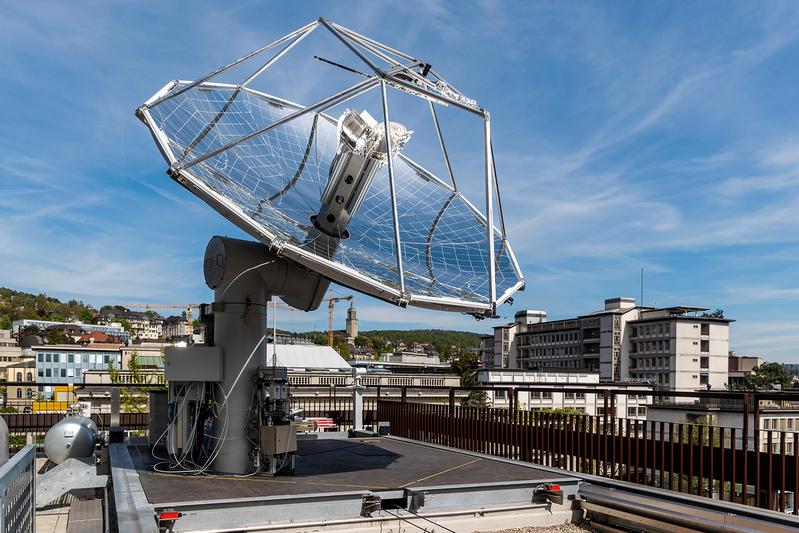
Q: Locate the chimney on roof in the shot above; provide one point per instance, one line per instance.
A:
(619, 303)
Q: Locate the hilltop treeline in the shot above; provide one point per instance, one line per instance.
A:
(445, 341)
(16, 305)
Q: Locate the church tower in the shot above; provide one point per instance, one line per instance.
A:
(352, 323)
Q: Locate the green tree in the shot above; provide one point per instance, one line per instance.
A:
(465, 365)
(54, 336)
(766, 376)
(133, 399)
(343, 349)
(718, 313)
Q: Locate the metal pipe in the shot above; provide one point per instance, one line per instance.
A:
(229, 66)
(443, 147)
(348, 44)
(276, 57)
(492, 280)
(393, 189)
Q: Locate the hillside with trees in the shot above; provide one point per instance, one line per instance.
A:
(17, 305)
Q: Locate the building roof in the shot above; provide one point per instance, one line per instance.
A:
(307, 356)
(96, 346)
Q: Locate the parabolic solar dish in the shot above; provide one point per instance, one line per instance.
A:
(314, 183)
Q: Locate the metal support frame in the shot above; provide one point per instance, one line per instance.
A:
(404, 77)
(330, 101)
(277, 56)
(393, 188)
(489, 187)
(229, 66)
(444, 147)
(348, 44)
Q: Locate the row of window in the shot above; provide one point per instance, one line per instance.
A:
(555, 337)
(660, 377)
(781, 424)
(651, 329)
(63, 372)
(650, 362)
(552, 352)
(663, 345)
(85, 358)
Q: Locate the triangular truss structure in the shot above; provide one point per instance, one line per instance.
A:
(222, 140)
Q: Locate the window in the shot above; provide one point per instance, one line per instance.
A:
(568, 395)
(47, 358)
(546, 395)
(704, 362)
(71, 358)
(41, 372)
(19, 376)
(105, 359)
(705, 329)
(29, 376)
(47, 372)
(500, 395)
(41, 358)
(19, 393)
(85, 359)
(642, 411)
(704, 379)
(580, 395)
(631, 411)
(705, 347)
(63, 372)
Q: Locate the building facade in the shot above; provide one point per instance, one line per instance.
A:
(174, 327)
(631, 399)
(739, 367)
(114, 329)
(675, 348)
(64, 364)
(10, 353)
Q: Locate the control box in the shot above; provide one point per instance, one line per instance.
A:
(193, 363)
(278, 440)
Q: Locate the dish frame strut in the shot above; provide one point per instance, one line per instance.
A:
(401, 74)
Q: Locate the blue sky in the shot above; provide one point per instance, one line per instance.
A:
(660, 135)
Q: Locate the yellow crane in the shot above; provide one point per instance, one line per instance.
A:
(331, 300)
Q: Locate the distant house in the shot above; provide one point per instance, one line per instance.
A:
(94, 336)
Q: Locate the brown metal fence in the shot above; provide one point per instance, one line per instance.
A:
(696, 459)
(41, 422)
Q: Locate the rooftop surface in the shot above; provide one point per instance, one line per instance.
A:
(338, 465)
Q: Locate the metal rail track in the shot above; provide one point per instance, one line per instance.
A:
(617, 506)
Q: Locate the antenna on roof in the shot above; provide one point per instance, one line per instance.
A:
(642, 287)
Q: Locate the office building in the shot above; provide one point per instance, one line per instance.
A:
(674, 348)
(64, 364)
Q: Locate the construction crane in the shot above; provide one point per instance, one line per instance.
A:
(331, 300)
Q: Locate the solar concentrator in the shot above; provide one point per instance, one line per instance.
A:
(332, 184)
